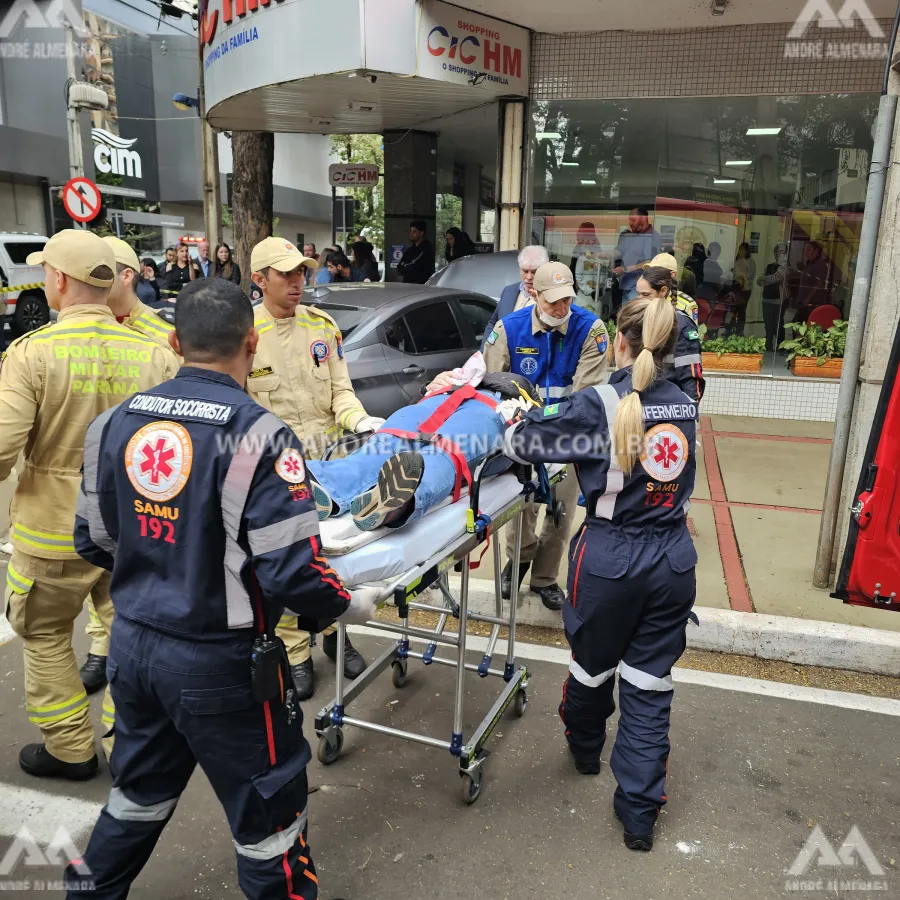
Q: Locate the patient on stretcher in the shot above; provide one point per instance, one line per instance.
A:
(422, 454)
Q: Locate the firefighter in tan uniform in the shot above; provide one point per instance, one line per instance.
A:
(299, 373)
(130, 311)
(53, 382)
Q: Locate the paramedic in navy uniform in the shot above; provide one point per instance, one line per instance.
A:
(631, 566)
(196, 498)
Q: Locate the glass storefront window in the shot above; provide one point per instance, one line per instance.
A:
(759, 198)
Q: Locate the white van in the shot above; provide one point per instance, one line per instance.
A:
(26, 308)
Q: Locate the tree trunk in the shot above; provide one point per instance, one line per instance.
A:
(253, 154)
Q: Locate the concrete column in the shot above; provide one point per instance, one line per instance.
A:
(410, 187)
(510, 187)
(471, 208)
(882, 320)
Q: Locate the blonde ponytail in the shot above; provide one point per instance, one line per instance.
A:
(649, 329)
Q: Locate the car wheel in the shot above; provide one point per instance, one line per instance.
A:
(31, 312)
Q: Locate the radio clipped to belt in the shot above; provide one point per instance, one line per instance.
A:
(270, 674)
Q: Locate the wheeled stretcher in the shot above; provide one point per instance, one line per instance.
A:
(410, 560)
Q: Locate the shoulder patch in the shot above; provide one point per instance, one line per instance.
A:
(262, 370)
(493, 338)
(693, 335)
(290, 467)
(551, 410)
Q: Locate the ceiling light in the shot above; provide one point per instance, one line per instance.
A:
(739, 162)
(548, 135)
(567, 163)
(761, 131)
(588, 181)
(723, 180)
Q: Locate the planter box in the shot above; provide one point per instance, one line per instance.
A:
(806, 368)
(732, 362)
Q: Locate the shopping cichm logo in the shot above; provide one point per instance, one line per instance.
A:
(230, 10)
(491, 55)
(843, 24)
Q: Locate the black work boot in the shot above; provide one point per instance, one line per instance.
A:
(93, 673)
(354, 664)
(36, 760)
(506, 578)
(551, 596)
(638, 841)
(304, 679)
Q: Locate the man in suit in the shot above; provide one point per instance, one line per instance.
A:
(515, 296)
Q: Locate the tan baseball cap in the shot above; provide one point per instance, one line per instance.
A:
(124, 253)
(663, 261)
(279, 254)
(76, 253)
(554, 281)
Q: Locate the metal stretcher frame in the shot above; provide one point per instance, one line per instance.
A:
(332, 719)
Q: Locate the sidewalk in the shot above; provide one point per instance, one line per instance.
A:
(755, 520)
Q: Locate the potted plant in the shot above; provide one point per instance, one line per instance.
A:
(813, 352)
(733, 353)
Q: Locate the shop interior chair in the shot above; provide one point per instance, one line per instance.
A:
(824, 316)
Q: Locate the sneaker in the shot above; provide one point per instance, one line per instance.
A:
(392, 501)
(354, 664)
(304, 679)
(36, 760)
(638, 841)
(506, 578)
(93, 673)
(587, 766)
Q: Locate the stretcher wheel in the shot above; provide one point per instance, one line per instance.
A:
(471, 786)
(330, 748)
(398, 673)
(520, 704)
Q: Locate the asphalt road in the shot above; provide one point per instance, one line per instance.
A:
(750, 776)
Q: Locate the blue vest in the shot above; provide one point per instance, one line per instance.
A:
(548, 359)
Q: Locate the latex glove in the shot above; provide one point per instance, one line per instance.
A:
(363, 603)
(369, 423)
(512, 410)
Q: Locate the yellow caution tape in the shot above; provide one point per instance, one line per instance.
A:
(21, 287)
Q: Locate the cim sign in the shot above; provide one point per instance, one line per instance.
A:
(113, 154)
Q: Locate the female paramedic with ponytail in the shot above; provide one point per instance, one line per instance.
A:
(631, 566)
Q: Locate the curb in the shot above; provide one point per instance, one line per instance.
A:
(804, 641)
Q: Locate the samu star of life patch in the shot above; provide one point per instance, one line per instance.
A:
(665, 452)
(158, 460)
(290, 467)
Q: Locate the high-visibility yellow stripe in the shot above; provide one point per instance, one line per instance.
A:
(107, 327)
(287, 622)
(159, 326)
(316, 323)
(344, 418)
(44, 539)
(109, 715)
(56, 712)
(19, 583)
(129, 337)
(266, 326)
(95, 617)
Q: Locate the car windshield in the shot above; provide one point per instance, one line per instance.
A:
(347, 317)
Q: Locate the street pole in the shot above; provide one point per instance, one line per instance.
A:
(333, 222)
(212, 200)
(76, 153)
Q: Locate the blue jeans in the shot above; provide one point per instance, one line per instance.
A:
(475, 428)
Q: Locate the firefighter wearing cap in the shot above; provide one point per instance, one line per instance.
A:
(299, 373)
(128, 309)
(54, 381)
(561, 348)
(686, 362)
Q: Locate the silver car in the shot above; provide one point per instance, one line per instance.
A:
(486, 273)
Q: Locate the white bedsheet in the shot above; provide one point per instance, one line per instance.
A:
(360, 557)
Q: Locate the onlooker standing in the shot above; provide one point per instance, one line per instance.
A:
(813, 288)
(226, 267)
(171, 255)
(775, 296)
(515, 296)
(636, 246)
(744, 275)
(341, 271)
(182, 271)
(148, 278)
(309, 251)
(364, 260)
(712, 270)
(417, 264)
(694, 264)
(204, 263)
(459, 244)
